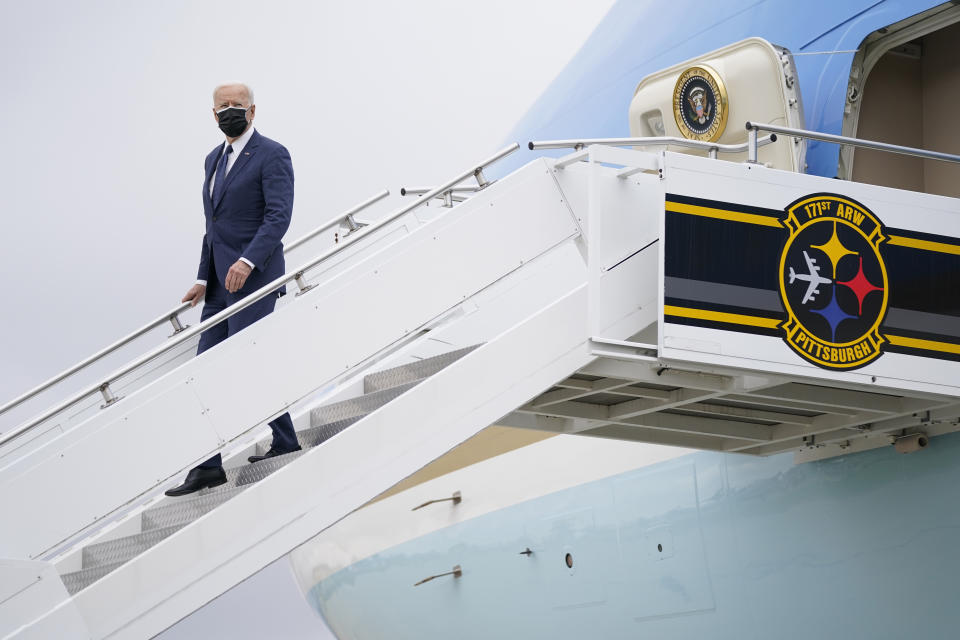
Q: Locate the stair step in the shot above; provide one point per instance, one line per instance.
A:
(412, 372)
(77, 581)
(241, 474)
(257, 471)
(122, 549)
(245, 474)
(315, 435)
(312, 436)
(353, 407)
(180, 511)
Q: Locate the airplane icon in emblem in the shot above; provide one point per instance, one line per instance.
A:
(812, 276)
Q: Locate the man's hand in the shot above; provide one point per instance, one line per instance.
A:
(195, 294)
(237, 275)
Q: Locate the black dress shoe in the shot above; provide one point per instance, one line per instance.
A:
(199, 478)
(270, 454)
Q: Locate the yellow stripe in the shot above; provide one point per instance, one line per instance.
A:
(723, 214)
(771, 323)
(720, 316)
(926, 245)
(767, 221)
(928, 345)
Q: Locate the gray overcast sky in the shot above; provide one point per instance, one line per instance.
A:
(106, 121)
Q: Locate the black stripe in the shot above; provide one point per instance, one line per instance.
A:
(715, 250)
(922, 353)
(728, 206)
(920, 280)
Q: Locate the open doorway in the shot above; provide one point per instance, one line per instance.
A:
(905, 90)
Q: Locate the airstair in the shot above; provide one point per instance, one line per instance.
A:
(573, 295)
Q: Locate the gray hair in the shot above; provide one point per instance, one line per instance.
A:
(234, 84)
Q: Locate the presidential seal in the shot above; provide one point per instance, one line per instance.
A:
(833, 282)
(700, 104)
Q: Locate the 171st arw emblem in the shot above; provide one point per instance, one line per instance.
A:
(833, 282)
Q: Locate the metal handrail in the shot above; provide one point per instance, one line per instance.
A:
(239, 306)
(173, 315)
(753, 128)
(416, 191)
(153, 324)
(713, 148)
(449, 196)
(454, 194)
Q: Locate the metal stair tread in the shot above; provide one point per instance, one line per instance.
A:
(312, 436)
(240, 475)
(182, 511)
(413, 371)
(123, 549)
(76, 581)
(317, 435)
(257, 471)
(353, 407)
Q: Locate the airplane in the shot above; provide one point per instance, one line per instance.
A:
(598, 421)
(795, 545)
(812, 276)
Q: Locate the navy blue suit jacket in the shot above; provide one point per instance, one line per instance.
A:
(252, 215)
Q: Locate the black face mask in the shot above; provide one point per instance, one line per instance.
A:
(233, 121)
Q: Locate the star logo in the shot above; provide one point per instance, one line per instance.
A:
(833, 318)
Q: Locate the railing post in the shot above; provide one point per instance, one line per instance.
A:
(301, 283)
(108, 397)
(481, 179)
(351, 223)
(751, 144)
(177, 326)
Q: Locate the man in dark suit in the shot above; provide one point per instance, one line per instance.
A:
(247, 202)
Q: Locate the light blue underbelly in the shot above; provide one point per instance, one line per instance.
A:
(703, 546)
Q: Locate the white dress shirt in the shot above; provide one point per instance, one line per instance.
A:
(238, 146)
